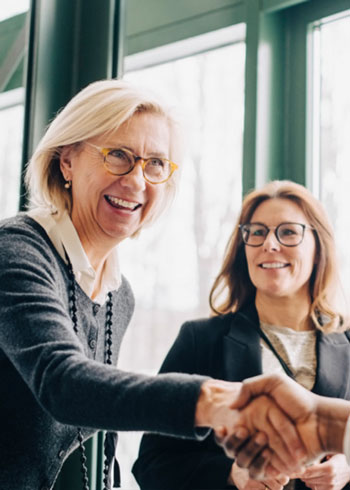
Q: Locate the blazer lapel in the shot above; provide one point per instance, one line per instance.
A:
(241, 347)
(333, 365)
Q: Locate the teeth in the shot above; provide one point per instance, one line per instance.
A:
(273, 265)
(122, 202)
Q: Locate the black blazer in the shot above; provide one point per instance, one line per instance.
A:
(225, 347)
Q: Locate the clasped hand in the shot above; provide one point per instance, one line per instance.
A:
(275, 426)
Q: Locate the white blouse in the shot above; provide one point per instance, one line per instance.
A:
(64, 236)
(296, 348)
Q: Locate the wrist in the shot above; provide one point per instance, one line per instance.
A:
(214, 402)
(333, 415)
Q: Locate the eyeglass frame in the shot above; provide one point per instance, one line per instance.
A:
(275, 228)
(136, 158)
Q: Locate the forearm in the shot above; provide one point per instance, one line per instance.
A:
(333, 415)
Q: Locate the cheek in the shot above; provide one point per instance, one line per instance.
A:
(155, 205)
(305, 266)
(156, 197)
(249, 254)
(308, 257)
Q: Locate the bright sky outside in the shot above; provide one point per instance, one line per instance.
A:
(9, 8)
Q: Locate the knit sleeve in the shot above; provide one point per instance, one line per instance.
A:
(36, 337)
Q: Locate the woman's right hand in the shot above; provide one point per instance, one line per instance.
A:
(239, 477)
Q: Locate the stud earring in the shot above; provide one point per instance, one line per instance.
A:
(68, 184)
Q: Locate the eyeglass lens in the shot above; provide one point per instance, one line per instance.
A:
(289, 234)
(120, 162)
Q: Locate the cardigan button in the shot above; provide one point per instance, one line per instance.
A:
(96, 308)
(61, 454)
(92, 344)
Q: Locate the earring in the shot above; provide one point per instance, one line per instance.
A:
(68, 184)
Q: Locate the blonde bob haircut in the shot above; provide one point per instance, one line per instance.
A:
(100, 108)
(233, 288)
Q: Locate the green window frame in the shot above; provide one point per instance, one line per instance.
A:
(275, 127)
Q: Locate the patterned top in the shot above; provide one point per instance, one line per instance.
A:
(296, 348)
(298, 351)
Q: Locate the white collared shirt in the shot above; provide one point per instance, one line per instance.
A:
(62, 233)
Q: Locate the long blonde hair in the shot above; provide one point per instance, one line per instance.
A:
(100, 108)
(233, 287)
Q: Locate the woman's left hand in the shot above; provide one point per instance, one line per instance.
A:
(332, 474)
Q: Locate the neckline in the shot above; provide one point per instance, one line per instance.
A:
(284, 330)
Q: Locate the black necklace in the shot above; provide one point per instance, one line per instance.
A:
(262, 334)
(107, 360)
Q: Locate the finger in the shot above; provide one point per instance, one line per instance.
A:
(258, 385)
(269, 470)
(276, 483)
(320, 480)
(285, 440)
(278, 447)
(273, 484)
(319, 485)
(251, 449)
(236, 442)
(277, 467)
(233, 441)
(257, 467)
(219, 434)
(316, 471)
(283, 479)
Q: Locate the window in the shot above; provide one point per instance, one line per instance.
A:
(172, 265)
(11, 123)
(12, 52)
(330, 151)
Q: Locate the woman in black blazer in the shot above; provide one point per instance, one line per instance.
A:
(273, 302)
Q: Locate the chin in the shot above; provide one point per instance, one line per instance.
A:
(118, 234)
(274, 292)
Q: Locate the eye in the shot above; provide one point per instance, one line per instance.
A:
(289, 231)
(257, 231)
(156, 162)
(119, 154)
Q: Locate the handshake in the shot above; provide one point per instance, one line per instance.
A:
(271, 425)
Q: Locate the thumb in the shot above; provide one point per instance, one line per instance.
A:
(244, 396)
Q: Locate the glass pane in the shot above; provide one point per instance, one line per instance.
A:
(9, 8)
(332, 130)
(13, 17)
(172, 265)
(11, 124)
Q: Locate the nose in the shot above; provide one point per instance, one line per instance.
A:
(271, 242)
(134, 180)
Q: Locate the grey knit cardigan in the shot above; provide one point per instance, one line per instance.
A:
(53, 380)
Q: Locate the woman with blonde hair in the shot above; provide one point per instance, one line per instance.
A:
(274, 310)
(102, 171)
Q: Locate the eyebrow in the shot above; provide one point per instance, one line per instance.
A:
(152, 154)
(281, 223)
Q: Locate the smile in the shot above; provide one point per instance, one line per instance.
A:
(118, 203)
(273, 265)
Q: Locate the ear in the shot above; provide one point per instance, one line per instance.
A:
(66, 162)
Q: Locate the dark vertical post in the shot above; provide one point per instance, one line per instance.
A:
(71, 44)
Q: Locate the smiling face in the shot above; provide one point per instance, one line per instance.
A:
(106, 208)
(274, 269)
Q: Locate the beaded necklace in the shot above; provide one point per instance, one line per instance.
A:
(107, 360)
